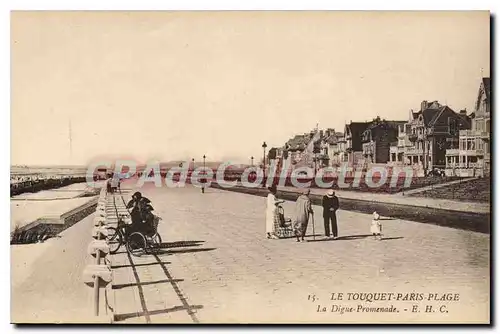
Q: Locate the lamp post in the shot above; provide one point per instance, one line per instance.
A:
(204, 180)
(424, 142)
(315, 159)
(264, 145)
(252, 160)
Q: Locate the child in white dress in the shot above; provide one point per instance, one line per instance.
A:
(376, 226)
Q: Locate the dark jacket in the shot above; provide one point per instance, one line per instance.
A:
(330, 202)
(140, 209)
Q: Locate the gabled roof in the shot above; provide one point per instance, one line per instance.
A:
(487, 87)
(357, 127)
(384, 123)
(429, 115)
(298, 142)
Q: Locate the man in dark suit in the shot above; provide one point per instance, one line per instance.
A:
(330, 206)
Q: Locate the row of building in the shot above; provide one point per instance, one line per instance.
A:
(434, 139)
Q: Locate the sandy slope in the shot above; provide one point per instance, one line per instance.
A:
(46, 281)
(24, 212)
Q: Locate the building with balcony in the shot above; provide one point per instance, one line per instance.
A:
(331, 146)
(471, 157)
(398, 149)
(294, 148)
(353, 147)
(423, 140)
(376, 140)
(327, 149)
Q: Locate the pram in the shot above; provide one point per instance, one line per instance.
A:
(283, 226)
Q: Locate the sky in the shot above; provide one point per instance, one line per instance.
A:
(178, 85)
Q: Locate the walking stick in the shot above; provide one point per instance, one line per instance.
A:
(314, 233)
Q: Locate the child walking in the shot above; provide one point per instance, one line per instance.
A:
(376, 226)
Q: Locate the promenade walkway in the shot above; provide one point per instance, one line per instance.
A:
(398, 199)
(215, 265)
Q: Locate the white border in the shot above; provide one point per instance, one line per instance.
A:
(7, 6)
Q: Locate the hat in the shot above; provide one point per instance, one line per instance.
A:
(330, 193)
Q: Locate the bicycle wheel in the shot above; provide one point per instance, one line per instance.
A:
(115, 240)
(156, 239)
(136, 244)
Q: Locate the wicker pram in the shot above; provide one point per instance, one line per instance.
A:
(283, 226)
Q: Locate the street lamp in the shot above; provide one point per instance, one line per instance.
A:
(204, 180)
(252, 160)
(264, 145)
(315, 159)
(424, 153)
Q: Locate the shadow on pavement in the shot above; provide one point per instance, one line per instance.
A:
(138, 265)
(394, 238)
(294, 237)
(347, 237)
(182, 251)
(125, 316)
(128, 285)
(180, 244)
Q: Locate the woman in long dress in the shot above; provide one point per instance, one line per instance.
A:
(271, 207)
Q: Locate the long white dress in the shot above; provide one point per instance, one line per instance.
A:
(270, 213)
(376, 226)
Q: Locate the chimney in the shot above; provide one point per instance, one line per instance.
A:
(424, 105)
(463, 112)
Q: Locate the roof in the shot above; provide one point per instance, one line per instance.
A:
(487, 87)
(393, 124)
(357, 127)
(390, 124)
(298, 142)
(428, 114)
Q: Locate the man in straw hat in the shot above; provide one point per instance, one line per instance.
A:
(330, 206)
(303, 209)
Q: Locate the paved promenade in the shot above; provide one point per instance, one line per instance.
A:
(400, 199)
(215, 265)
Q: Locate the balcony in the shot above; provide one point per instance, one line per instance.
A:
(467, 133)
(367, 152)
(456, 152)
(414, 150)
(438, 130)
(402, 135)
(464, 165)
